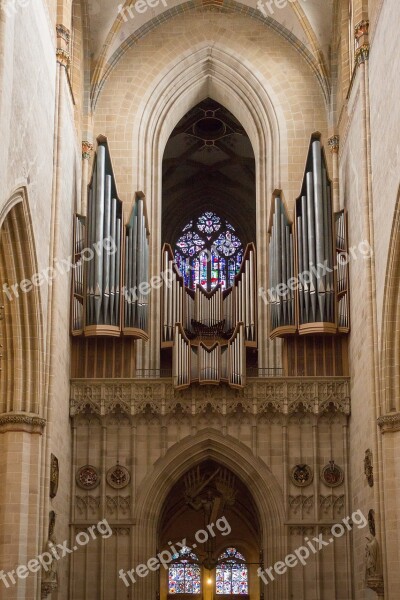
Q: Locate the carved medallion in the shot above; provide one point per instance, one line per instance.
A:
(332, 475)
(118, 477)
(88, 477)
(54, 475)
(301, 475)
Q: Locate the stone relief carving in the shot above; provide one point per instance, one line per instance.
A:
(316, 397)
(368, 467)
(50, 576)
(54, 476)
(330, 502)
(118, 477)
(301, 504)
(332, 475)
(301, 475)
(118, 504)
(88, 477)
(87, 503)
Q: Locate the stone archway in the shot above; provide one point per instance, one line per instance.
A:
(209, 71)
(21, 393)
(254, 474)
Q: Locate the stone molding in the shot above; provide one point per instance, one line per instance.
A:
(63, 57)
(333, 144)
(285, 396)
(21, 422)
(389, 423)
(87, 149)
(362, 54)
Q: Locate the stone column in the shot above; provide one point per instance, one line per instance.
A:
(20, 440)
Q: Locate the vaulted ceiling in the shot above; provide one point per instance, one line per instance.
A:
(209, 165)
(114, 25)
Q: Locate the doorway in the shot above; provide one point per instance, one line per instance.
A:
(210, 526)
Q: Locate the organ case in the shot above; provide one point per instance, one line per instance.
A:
(209, 331)
(308, 282)
(109, 268)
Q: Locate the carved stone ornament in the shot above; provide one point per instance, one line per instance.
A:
(54, 476)
(371, 522)
(118, 477)
(301, 475)
(88, 477)
(368, 468)
(332, 475)
(47, 588)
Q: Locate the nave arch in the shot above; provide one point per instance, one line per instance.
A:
(209, 444)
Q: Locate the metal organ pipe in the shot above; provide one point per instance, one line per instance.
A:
(103, 225)
(281, 269)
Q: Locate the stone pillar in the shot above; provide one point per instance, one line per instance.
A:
(20, 440)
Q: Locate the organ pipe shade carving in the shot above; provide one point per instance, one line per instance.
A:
(107, 298)
(309, 250)
(209, 331)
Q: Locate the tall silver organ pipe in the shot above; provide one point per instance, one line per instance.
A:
(237, 357)
(315, 258)
(281, 269)
(78, 276)
(209, 363)
(342, 271)
(136, 293)
(245, 296)
(177, 301)
(109, 266)
(104, 240)
(208, 306)
(181, 367)
(308, 254)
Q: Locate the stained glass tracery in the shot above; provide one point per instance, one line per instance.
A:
(208, 252)
(232, 573)
(184, 574)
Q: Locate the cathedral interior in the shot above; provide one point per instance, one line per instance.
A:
(199, 312)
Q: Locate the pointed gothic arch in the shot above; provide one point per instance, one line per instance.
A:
(21, 379)
(390, 354)
(208, 71)
(236, 456)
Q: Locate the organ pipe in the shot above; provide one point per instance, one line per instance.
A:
(206, 323)
(342, 272)
(281, 268)
(78, 276)
(136, 269)
(113, 266)
(308, 254)
(315, 263)
(104, 238)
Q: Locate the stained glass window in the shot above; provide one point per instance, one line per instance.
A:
(184, 573)
(232, 576)
(208, 252)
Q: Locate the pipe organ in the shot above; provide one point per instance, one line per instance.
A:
(209, 331)
(308, 291)
(109, 268)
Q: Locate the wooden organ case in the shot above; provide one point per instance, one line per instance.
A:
(209, 332)
(308, 293)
